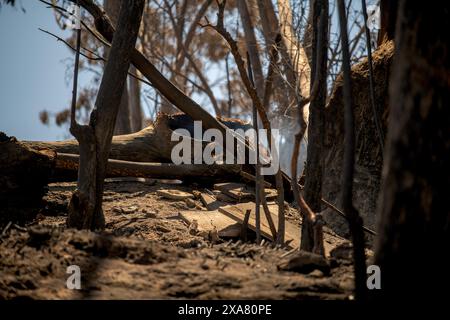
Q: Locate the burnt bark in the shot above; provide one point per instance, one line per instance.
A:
(413, 248)
(24, 174)
(371, 79)
(388, 11)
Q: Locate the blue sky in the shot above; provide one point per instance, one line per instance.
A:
(32, 72)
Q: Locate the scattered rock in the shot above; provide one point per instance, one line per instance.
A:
(181, 205)
(162, 228)
(193, 243)
(316, 273)
(55, 205)
(116, 210)
(190, 203)
(39, 235)
(343, 251)
(130, 210)
(148, 213)
(305, 262)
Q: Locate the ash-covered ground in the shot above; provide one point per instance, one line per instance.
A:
(148, 252)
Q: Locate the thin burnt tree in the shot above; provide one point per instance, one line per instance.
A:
(85, 208)
(413, 247)
(354, 219)
(314, 164)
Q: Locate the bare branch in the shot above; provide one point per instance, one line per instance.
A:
(74, 127)
(96, 57)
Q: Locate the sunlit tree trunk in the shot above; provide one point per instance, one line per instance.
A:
(295, 52)
(294, 62)
(270, 28)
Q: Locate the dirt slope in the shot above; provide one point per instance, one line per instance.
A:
(369, 159)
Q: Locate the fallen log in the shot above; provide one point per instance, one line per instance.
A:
(151, 144)
(146, 153)
(67, 165)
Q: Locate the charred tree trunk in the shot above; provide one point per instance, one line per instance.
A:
(314, 164)
(413, 248)
(123, 120)
(269, 22)
(388, 12)
(252, 47)
(85, 208)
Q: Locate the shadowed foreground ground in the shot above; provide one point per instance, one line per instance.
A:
(146, 252)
